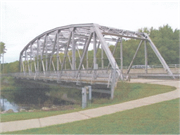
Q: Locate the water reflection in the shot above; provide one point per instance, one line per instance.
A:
(36, 98)
(6, 105)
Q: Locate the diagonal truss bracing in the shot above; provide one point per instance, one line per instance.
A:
(63, 51)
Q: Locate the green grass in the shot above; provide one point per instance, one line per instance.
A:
(131, 91)
(30, 115)
(160, 118)
(124, 92)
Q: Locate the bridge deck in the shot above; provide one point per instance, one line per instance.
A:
(100, 80)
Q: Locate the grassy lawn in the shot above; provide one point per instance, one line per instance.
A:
(160, 118)
(30, 115)
(124, 92)
(130, 91)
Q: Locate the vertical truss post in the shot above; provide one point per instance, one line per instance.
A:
(35, 68)
(161, 59)
(121, 55)
(73, 52)
(79, 56)
(69, 61)
(65, 52)
(37, 55)
(25, 59)
(97, 48)
(33, 56)
(53, 49)
(57, 54)
(44, 44)
(134, 57)
(53, 66)
(31, 53)
(87, 66)
(42, 54)
(95, 51)
(23, 66)
(94, 55)
(20, 62)
(145, 53)
(29, 67)
(102, 57)
(46, 59)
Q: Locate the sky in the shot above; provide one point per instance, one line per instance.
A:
(21, 21)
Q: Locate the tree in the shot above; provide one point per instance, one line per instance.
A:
(2, 51)
(2, 48)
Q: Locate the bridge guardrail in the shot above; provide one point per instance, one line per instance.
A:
(152, 66)
(99, 76)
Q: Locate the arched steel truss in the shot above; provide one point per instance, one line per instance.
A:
(41, 59)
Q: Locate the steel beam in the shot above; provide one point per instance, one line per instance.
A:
(114, 50)
(107, 51)
(161, 59)
(145, 53)
(27, 62)
(134, 56)
(44, 44)
(25, 59)
(37, 55)
(53, 49)
(66, 51)
(121, 55)
(102, 57)
(69, 61)
(42, 54)
(31, 55)
(46, 58)
(73, 52)
(84, 51)
(79, 56)
(95, 51)
(87, 63)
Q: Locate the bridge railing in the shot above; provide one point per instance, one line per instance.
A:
(152, 66)
(99, 76)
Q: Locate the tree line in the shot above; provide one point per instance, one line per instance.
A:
(165, 38)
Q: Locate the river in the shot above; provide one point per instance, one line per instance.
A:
(6, 105)
(30, 99)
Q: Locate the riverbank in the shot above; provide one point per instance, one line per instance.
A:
(124, 92)
(38, 97)
(158, 118)
(161, 118)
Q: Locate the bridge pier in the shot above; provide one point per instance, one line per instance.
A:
(86, 99)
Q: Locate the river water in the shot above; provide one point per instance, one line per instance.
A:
(6, 105)
(30, 99)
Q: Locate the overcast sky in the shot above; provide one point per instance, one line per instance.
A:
(21, 21)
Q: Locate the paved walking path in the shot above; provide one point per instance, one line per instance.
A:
(92, 113)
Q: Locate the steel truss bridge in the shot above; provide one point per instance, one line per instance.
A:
(61, 55)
